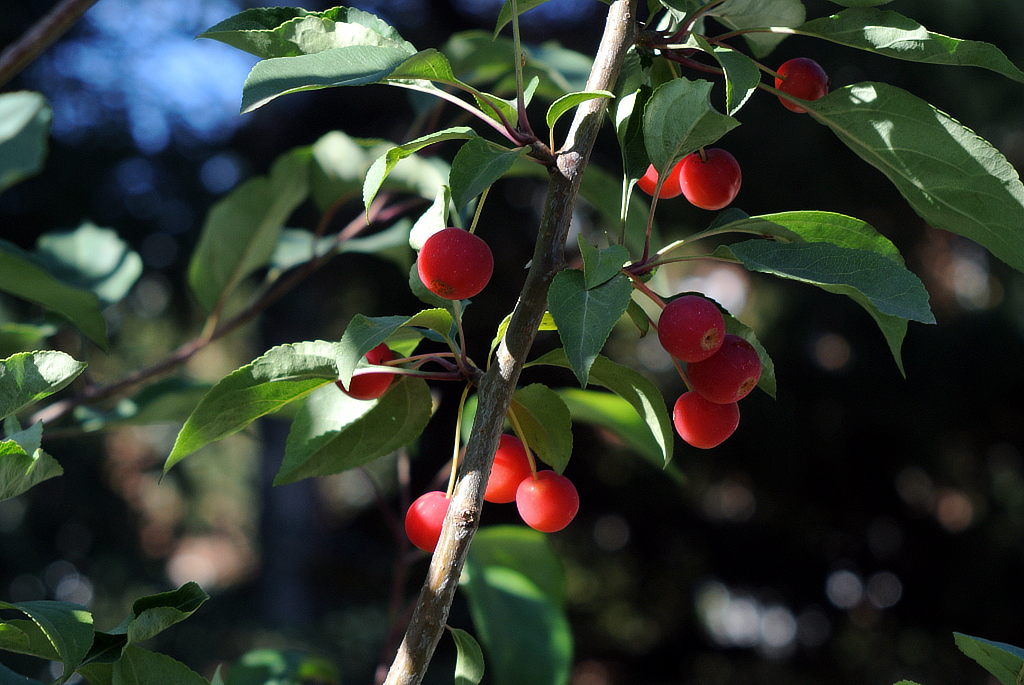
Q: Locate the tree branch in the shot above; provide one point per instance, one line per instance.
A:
(42, 35)
(431, 613)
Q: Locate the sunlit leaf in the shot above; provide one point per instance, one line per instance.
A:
(24, 126)
(22, 469)
(92, 258)
(1003, 661)
(67, 627)
(27, 377)
(746, 14)
(469, 660)
(382, 166)
(546, 424)
(679, 119)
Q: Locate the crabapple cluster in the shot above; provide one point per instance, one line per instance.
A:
(370, 386)
(709, 179)
(547, 501)
(722, 369)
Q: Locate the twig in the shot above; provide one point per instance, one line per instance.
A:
(496, 388)
(40, 36)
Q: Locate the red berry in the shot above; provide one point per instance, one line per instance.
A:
(669, 189)
(702, 423)
(508, 471)
(455, 264)
(801, 77)
(691, 328)
(548, 501)
(729, 374)
(370, 386)
(712, 182)
(424, 518)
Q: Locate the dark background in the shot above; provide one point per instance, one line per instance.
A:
(840, 536)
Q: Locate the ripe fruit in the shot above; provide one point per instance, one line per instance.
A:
(669, 189)
(424, 518)
(508, 471)
(711, 182)
(455, 264)
(691, 328)
(370, 386)
(802, 77)
(548, 501)
(729, 374)
(702, 423)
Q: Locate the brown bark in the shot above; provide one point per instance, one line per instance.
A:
(495, 392)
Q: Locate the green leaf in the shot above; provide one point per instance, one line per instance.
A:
(1003, 661)
(334, 432)
(628, 114)
(289, 31)
(741, 73)
(570, 101)
(814, 227)
(524, 551)
(747, 14)
(363, 333)
(888, 286)
(67, 627)
(9, 677)
(27, 377)
(353, 65)
(505, 14)
(585, 316)
(953, 178)
(19, 471)
(29, 439)
(241, 230)
(154, 614)
(23, 636)
(525, 632)
(477, 165)
(337, 168)
(434, 219)
(23, 337)
(91, 258)
(639, 318)
(170, 400)
(679, 119)
(22, 276)
(546, 424)
(469, 661)
(282, 667)
(383, 165)
(547, 323)
(631, 386)
(24, 126)
(599, 266)
(861, 3)
(139, 666)
(283, 374)
(891, 34)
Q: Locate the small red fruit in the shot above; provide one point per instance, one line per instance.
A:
(455, 264)
(729, 374)
(669, 189)
(508, 471)
(711, 182)
(691, 328)
(424, 518)
(702, 423)
(803, 78)
(548, 501)
(370, 386)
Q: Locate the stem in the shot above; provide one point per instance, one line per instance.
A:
(642, 287)
(502, 128)
(457, 310)
(518, 430)
(523, 119)
(40, 36)
(479, 209)
(498, 384)
(457, 441)
(691, 20)
(692, 63)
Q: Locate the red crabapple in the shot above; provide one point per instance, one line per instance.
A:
(509, 469)
(801, 77)
(669, 189)
(424, 518)
(711, 182)
(702, 423)
(729, 374)
(455, 264)
(548, 501)
(691, 328)
(370, 386)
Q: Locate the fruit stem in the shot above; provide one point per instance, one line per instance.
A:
(518, 430)
(642, 287)
(479, 208)
(703, 155)
(691, 63)
(457, 311)
(458, 444)
(691, 20)
(524, 121)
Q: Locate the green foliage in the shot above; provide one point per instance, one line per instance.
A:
(546, 424)
(570, 101)
(585, 316)
(477, 165)
(748, 14)
(22, 276)
(21, 466)
(679, 119)
(383, 165)
(24, 126)
(894, 35)
(58, 630)
(282, 667)
(1003, 661)
(513, 582)
(953, 178)
(242, 230)
(28, 377)
(741, 74)
(91, 258)
(469, 664)
(600, 266)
